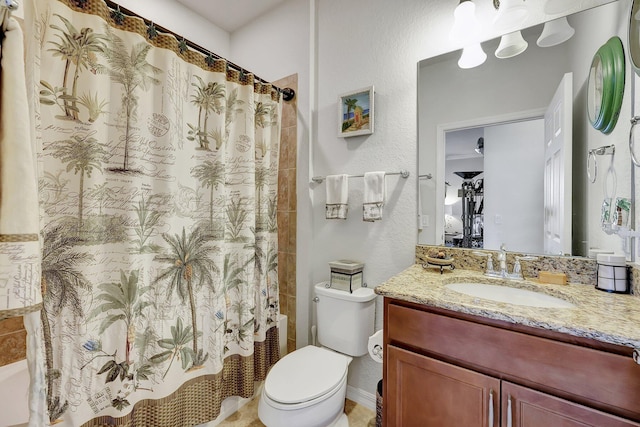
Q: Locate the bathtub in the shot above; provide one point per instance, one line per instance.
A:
(14, 394)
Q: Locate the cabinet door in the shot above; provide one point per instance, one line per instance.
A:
(425, 392)
(524, 407)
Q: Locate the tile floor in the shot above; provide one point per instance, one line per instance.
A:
(247, 416)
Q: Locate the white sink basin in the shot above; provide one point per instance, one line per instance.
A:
(509, 295)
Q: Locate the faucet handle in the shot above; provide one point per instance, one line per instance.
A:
(489, 257)
(517, 268)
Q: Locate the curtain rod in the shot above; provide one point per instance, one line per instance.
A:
(404, 173)
(287, 93)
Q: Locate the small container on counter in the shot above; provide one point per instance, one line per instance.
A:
(612, 273)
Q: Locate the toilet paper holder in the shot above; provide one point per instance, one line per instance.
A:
(377, 350)
(375, 346)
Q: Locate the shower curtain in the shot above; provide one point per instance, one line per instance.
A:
(157, 181)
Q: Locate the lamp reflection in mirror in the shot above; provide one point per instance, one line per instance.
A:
(511, 44)
(472, 56)
(511, 15)
(466, 27)
(555, 32)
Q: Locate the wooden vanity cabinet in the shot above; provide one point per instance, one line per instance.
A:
(443, 368)
(426, 392)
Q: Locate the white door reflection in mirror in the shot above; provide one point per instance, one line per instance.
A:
(557, 171)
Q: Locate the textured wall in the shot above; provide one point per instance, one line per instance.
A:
(362, 43)
(174, 16)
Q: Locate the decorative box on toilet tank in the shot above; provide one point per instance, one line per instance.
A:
(346, 275)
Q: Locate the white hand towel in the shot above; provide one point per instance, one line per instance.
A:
(20, 258)
(374, 196)
(337, 196)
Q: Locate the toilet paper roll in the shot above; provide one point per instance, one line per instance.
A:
(375, 346)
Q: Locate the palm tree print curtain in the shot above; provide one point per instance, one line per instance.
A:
(158, 176)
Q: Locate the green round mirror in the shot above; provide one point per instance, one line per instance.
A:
(605, 87)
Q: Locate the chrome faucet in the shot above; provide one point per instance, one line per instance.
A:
(502, 259)
(503, 271)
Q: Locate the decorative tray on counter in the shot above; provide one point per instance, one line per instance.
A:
(439, 262)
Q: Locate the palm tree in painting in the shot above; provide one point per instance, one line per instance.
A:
(231, 279)
(61, 283)
(82, 154)
(122, 302)
(214, 94)
(351, 104)
(262, 111)
(191, 267)
(64, 48)
(175, 347)
(263, 263)
(199, 99)
(236, 218)
(79, 48)
(233, 108)
(130, 69)
(262, 175)
(271, 267)
(208, 97)
(102, 192)
(210, 174)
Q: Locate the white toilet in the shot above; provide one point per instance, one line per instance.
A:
(308, 386)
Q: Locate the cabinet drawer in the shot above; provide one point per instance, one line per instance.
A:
(603, 380)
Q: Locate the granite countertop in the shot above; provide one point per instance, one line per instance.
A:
(603, 316)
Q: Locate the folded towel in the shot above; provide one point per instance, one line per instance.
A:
(337, 196)
(374, 195)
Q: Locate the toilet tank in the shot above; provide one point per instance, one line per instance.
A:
(345, 320)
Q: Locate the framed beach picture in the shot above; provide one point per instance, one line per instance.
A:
(356, 112)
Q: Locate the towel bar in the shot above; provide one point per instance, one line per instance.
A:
(404, 173)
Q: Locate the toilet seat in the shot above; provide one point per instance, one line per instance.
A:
(305, 375)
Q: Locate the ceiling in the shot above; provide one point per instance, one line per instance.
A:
(230, 15)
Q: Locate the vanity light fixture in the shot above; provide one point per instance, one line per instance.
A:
(466, 27)
(511, 15)
(511, 44)
(555, 32)
(472, 56)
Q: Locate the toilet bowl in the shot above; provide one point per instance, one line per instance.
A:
(305, 388)
(308, 386)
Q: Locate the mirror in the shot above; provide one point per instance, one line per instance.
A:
(509, 97)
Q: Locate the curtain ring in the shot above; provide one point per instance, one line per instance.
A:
(593, 178)
(634, 122)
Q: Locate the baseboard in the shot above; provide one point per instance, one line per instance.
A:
(361, 397)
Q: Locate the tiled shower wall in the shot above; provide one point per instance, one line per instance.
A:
(287, 210)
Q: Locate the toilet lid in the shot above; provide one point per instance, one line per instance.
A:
(305, 374)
